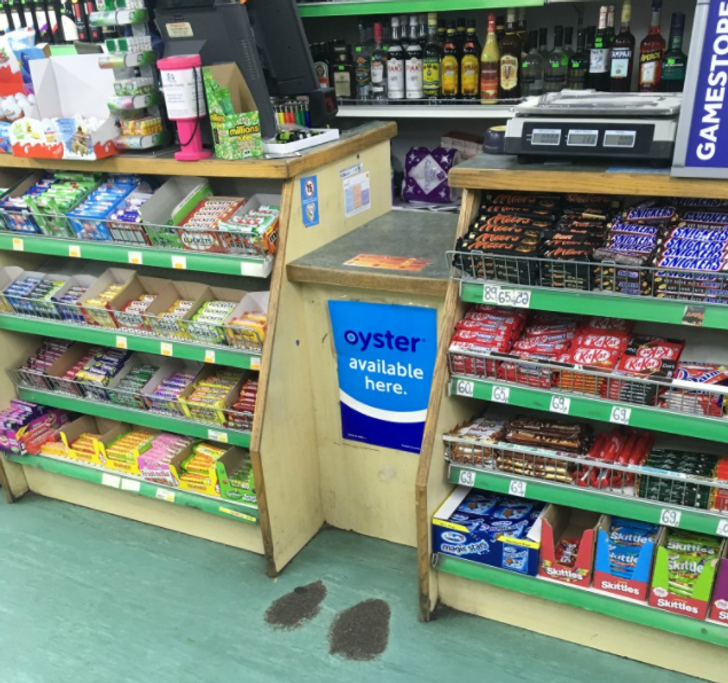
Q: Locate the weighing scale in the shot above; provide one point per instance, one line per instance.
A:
(587, 123)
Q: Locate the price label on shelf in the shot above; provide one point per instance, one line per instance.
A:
(209, 356)
(179, 262)
(670, 517)
(112, 480)
(166, 349)
(120, 342)
(500, 394)
(464, 387)
(466, 478)
(74, 251)
(248, 269)
(722, 529)
(131, 485)
(255, 363)
(163, 494)
(560, 404)
(490, 294)
(18, 244)
(620, 415)
(135, 258)
(518, 298)
(517, 488)
(217, 435)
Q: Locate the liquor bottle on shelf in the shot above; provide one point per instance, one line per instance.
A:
(543, 43)
(413, 63)
(500, 28)
(321, 64)
(470, 65)
(422, 31)
(343, 70)
(472, 34)
(610, 27)
(521, 31)
(362, 66)
(431, 59)
(395, 64)
(578, 69)
(450, 68)
(532, 69)
(623, 53)
(441, 33)
(460, 36)
(510, 60)
(569, 41)
(674, 62)
(378, 63)
(652, 48)
(490, 65)
(599, 56)
(557, 67)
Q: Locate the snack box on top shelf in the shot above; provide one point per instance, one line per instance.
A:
(77, 439)
(206, 324)
(161, 394)
(25, 427)
(212, 394)
(719, 602)
(625, 553)
(194, 468)
(686, 565)
(253, 228)
(199, 230)
(567, 544)
(235, 476)
(173, 307)
(490, 529)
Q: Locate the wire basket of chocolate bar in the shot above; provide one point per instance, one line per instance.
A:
(674, 248)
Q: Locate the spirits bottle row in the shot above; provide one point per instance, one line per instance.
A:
(420, 57)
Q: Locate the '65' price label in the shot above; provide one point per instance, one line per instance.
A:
(500, 394)
(560, 404)
(670, 517)
(464, 387)
(495, 294)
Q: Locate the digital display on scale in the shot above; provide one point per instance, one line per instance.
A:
(582, 138)
(546, 136)
(620, 138)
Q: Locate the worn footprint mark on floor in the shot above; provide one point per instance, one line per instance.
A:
(297, 607)
(361, 632)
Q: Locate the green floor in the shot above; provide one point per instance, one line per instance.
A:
(89, 598)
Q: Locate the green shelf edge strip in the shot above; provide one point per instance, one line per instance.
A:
(148, 419)
(342, 9)
(116, 253)
(583, 599)
(712, 429)
(590, 499)
(143, 344)
(643, 308)
(223, 508)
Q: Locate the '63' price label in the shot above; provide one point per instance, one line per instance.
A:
(495, 294)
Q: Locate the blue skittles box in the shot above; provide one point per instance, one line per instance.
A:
(500, 531)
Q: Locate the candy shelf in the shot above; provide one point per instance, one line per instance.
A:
(587, 599)
(702, 521)
(102, 336)
(239, 512)
(143, 418)
(224, 264)
(344, 8)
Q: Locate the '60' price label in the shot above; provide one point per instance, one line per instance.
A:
(560, 404)
(670, 517)
(620, 415)
(464, 387)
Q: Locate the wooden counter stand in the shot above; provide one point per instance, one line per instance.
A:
(653, 637)
(364, 487)
(283, 442)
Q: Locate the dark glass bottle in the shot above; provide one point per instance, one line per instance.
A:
(578, 69)
(543, 43)
(470, 65)
(441, 33)
(652, 49)
(599, 55)
(321, 65)
(623, 54)
(450, 68)
(460, 36)
(500, 28)
(674, 62)
(378, 65)
(510, 60)
(343, 71)
(557, 67)
(532, 68)
(431, 76)
(569, 41)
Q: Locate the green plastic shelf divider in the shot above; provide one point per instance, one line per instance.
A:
(224, 508)
(635, 612)
(143, 418)
(591, 499)
(116, 338)
(224, 264)
(357, 8)
(713, 429)
(644, 308)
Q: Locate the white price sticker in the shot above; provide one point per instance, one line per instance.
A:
(179, 262)
(111, 480)
(74, 251)
(120, 342)
(131, 485)
(517, 488)
(135, 258)
(248, 269)
(217, 435)
(620, 415)
(560, 404)
(163, 494)
(490, 294)
(209, 356)
(670, 517)
(466, 478)
(518, 298)
(500, 394)
(255, 363)
(166, 349)
(722, 529)
(464, 387)
(18, 244)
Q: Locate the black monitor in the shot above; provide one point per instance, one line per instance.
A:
(265, 38)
